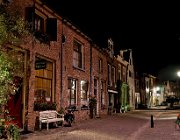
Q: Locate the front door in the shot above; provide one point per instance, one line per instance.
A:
(14, 105)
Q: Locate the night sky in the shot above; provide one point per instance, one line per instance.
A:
(150, 29)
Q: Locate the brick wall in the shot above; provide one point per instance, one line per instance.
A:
(53, 52)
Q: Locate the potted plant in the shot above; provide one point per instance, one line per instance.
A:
(42, 106)
(92, 105)
(92, 102)
(9, 130)
(13, 132)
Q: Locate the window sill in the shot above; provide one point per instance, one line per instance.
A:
(81, 69)
(85, 108)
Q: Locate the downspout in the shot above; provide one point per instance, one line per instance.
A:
(90, 90)
(63, 39)
(127, 72)
(127, 92)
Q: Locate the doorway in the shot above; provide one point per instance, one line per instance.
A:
(14, 105)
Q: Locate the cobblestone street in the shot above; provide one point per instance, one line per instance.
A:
(134, 125)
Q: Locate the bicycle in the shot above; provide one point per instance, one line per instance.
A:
(69, 117)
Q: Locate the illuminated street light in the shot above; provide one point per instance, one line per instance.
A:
(157, 88)
(178, 73)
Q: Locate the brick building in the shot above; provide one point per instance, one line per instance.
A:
(62, 65)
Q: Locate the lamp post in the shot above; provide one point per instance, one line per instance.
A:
(178, 74)
(63, 40)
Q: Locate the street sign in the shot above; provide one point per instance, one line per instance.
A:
(41, 64)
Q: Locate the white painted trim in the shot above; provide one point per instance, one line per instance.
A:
(112, 91)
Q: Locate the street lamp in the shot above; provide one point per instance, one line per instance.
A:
(178, 73)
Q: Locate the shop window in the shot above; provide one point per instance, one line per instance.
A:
(43, 83)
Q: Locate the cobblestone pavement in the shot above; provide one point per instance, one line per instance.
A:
(134, 125)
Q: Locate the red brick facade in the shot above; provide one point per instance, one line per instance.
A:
(62, 56)
(100, 74)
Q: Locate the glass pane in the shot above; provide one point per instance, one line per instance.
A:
(39, 73)
(49, 66)
(72, 94)
(75, 59)
(49, 74)
(73, 84)
(45, 74)
(72, 101)
(83, 94)
(39, 83)
(43, 82)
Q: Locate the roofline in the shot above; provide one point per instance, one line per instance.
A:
(63, 19)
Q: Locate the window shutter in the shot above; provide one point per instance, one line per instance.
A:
(29, 15)
(51, 29)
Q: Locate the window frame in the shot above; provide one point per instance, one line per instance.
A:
(113, 75)
(78, 55)
(100, 66)
(45, 76)
(84, 92)
(109, 75)
(102, 98)
(72, 91)
(42, 17)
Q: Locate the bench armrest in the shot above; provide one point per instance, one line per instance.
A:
(61, 115)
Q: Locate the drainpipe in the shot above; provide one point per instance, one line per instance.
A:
(63, 39)
(127, 72)
(90, 68)
(127, 76)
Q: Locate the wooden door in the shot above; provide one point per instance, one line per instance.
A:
(14, 105)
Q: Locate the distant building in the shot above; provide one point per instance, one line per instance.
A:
(128, 78)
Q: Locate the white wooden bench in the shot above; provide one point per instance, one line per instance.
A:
(50, 116)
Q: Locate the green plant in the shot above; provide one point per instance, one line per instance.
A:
(2, 130)
(12, 30)
(42, 106)
(92, 102)
(13, 132)
(61, 111)
(9, 130)
(92, 105)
